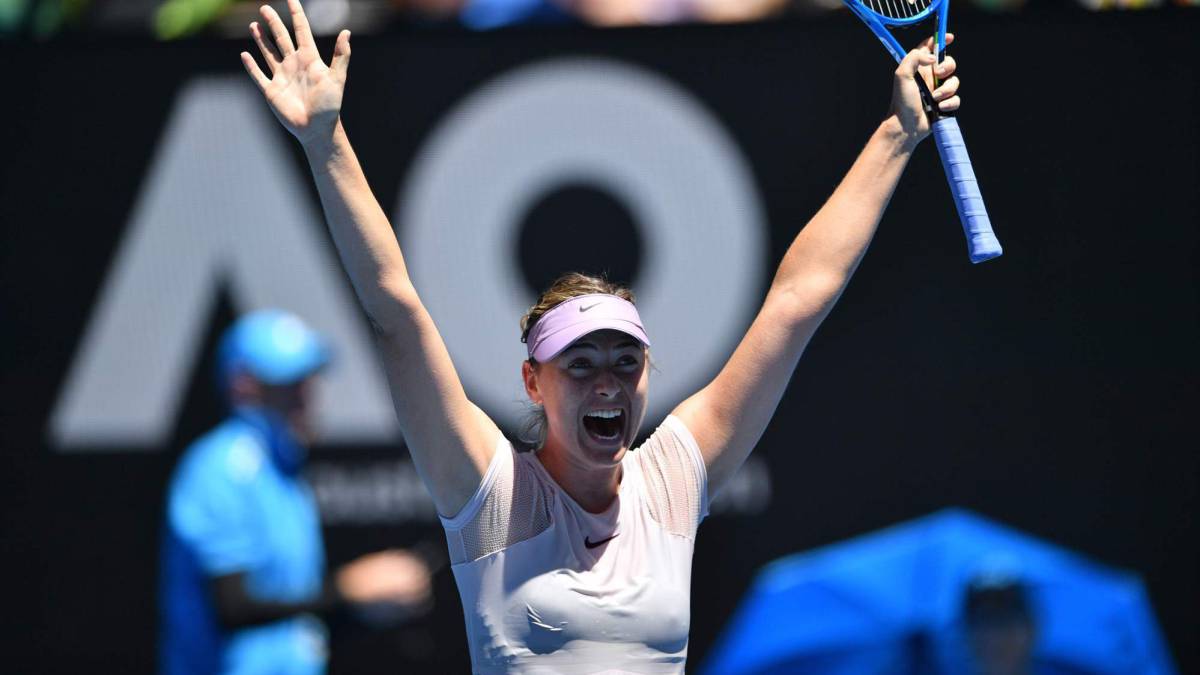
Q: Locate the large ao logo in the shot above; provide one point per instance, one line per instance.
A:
(223, 205)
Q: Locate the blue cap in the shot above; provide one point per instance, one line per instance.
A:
(274, 346)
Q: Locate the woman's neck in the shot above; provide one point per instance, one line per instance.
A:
(593, 488)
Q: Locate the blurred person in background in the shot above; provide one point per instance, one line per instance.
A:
(243, 585)
(491, 14)
(1001, 628)
(488, 14)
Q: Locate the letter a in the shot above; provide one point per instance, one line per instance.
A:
(222, 205)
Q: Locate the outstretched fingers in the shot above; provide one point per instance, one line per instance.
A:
(270, 55)
(340, 62)
(304, 36)
(254, 71)
(283, 41)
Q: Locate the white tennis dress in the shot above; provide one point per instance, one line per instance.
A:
(550, 588)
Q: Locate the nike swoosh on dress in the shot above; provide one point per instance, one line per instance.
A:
(593, 544)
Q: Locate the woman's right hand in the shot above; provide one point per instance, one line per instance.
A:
(304, 93)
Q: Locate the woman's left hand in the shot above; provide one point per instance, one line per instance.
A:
(303, 92)
(907, 106)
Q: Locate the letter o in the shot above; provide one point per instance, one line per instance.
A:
(621, 129)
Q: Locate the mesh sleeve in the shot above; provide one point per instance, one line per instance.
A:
(675, 478)
(509, 507)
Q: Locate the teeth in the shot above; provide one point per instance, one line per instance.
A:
(604, 414)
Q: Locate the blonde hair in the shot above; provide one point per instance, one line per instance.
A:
(532, 429)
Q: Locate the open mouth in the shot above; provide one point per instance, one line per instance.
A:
(605, 425)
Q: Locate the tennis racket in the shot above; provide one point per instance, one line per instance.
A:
(881, 14)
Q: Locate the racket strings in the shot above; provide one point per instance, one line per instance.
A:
(897, 9)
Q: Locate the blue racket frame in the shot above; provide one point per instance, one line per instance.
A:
(977, 226)
(876, 23)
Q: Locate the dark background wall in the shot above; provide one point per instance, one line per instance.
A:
(1049, 389)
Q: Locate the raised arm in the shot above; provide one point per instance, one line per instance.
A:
(451, 440)
(729, 415)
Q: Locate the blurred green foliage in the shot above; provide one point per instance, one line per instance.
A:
(180, 18)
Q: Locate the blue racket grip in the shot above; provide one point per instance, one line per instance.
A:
(981, 241)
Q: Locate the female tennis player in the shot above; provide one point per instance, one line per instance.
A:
(576, 558)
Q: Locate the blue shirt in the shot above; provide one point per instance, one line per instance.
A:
(237, 504)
